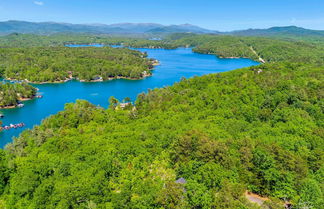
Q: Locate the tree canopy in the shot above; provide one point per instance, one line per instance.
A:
(223, 133)
(200, 143)
(10, 94)
(55, 64)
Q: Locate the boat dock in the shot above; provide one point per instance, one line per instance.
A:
(15, 126)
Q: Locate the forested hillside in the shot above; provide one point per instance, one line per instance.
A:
(28, 40)
(57, 64)
(258, 129)
(269, 50)
(304, 49)
(200, 143)
(286, 31)
(10, 94)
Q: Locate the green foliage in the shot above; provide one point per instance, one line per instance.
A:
(113, 102)
(311, 193)
(258, 129)
(4, 171)
(28, 40)
(224, 133)
(10, 94)
(270, 50)
(275, 49)
(198, 195)
(55, 64)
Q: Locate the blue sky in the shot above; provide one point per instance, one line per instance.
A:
(221, 15)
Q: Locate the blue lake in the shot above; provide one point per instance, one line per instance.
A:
(175, 64)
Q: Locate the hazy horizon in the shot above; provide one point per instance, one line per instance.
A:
(117, 23)
(210, 14)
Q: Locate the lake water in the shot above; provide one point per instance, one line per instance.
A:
(175, 64)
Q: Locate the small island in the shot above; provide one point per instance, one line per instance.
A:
(11, 95)
(87, 64)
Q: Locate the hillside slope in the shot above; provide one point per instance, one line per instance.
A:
(258, 129)
(269, 49)
(280, 31)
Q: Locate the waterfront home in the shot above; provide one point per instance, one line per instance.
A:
(123, 105)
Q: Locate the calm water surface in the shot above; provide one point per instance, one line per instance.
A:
(175, 64)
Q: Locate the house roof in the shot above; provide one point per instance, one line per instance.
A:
(181, 181)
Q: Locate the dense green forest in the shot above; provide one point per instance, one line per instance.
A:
(304, 49)
(258, 129)
(56, 64)
(10, 94)
(28, 40)
(270, 50)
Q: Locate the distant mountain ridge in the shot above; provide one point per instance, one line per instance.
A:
(180, 29)
(13, 26)
(276, 31)
(47, 28)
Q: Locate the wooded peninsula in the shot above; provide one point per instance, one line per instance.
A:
(59, 64)
(12, 94)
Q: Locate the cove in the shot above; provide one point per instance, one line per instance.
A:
(174, 64)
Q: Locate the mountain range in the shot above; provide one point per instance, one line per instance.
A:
(277, 31)
(13, 26)
(46, 28)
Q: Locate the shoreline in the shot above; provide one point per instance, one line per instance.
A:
(223, 57)
(8, 107)
(31, 82)
(20, 100)
(154, 63)
(26, 99)
(81, 80)
(115, 78)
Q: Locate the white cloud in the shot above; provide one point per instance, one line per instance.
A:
(39, 3)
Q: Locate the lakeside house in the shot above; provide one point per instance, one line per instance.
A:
(181, 181)
(123, 105)
(97, 79)
(145, 74)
